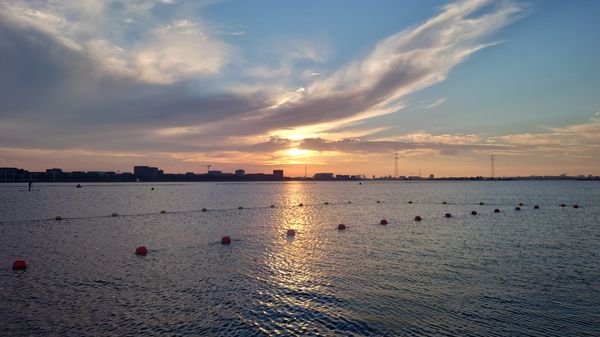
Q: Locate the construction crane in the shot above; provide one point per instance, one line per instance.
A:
(208, 168)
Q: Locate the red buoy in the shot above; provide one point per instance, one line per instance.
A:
(383, 222)
(291, 232)
(341, 226)
(141, 251)
(19, 265)
(418, 218)
(473, 212)
(225, 240)
(448, 215)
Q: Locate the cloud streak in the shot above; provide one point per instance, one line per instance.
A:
(114, 78)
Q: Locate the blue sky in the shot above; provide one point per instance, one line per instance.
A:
(337, 85)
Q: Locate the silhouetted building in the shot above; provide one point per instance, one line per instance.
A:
(278, 174)
(54, 174)
(215, 173)
(147, 173)
(240, 173)
(323, 176)
(8, 174)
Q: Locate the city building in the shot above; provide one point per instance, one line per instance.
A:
(147, 173)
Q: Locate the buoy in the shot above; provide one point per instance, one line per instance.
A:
(496, 211)
(418, 218)
(163, 212)
(360, 183)
(341, 226)
(141, 251)
(225, 240)
(473, 212)
(349, 202)
(575, 206)
(517, 208)
(58, 218)
(206, 210)
(378, 201)
(383, 222)
(19, 265)
(238, 208)
(536, 207)
(114, 215)
(272, 206)
(300, 205)
(444, 202)
(410, 202)
(448, 215)
(520, 204)
(481, 203)
(151, 188)
(78, 186)
(562, 205)
(291, 232)
(326, 203)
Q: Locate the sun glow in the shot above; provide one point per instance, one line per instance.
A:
(296, 152)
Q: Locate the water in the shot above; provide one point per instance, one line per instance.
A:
(533, 272)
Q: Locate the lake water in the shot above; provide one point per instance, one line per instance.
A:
(533, 272)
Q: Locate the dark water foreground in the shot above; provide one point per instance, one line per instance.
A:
(533, 272)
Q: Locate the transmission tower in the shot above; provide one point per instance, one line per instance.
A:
(396, 165)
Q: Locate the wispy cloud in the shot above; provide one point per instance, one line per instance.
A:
(101, 86)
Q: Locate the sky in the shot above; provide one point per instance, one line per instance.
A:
(339, 86)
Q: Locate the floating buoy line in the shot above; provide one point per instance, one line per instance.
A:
(273, 206)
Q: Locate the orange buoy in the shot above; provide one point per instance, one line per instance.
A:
(341, 227)
(383, 222)
(141, 251)
(114, 215)
(536, 207)
(19, 265)
(473, 212)
(418, 218)
(58, 218)
(517, 208)
(448, 215)
(496, 210)
(291, 232)
(575, 206)
(225, 240)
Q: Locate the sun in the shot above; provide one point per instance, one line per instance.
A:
(296, 152)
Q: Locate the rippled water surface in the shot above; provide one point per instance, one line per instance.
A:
(529, 272)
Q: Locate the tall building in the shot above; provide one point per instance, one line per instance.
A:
(147, 173)
(240, 173)
(278, 174)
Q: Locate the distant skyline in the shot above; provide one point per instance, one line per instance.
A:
(338, 85)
